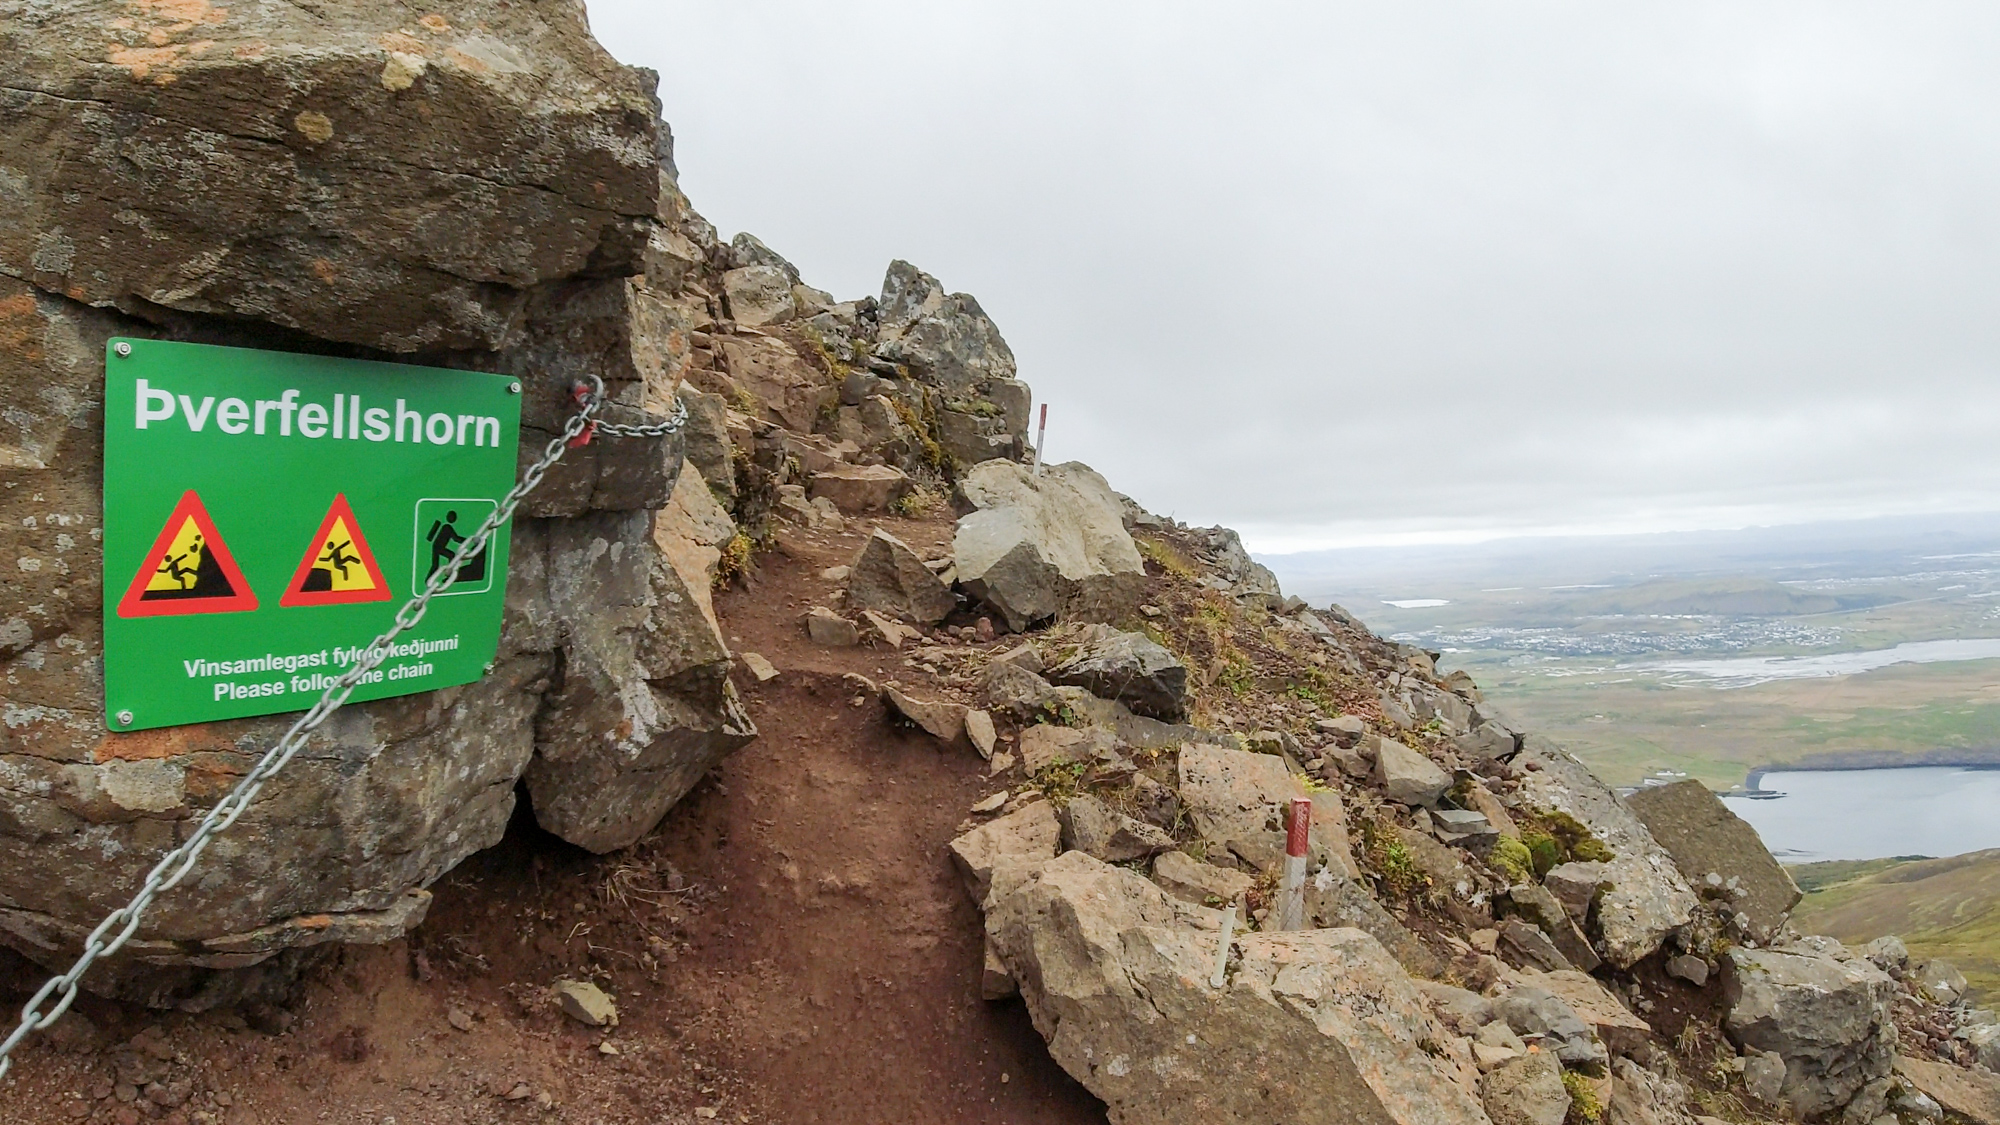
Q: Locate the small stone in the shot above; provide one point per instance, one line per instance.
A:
(1002, 762)
(982, 630)
(831, 629)
(519, 1092)
(586, 1003)
(607, 1048)
(458, 1018)
(887, 630)
(1485, 941)
(1689, 968)
(759, 667)
(836, 573)
(979, 728)
(706, 1113)
(991, 804)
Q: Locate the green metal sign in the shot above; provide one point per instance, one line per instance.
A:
(266, 514)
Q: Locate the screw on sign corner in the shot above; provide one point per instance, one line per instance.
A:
(118, 928)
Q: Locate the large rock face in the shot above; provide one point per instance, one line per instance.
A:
(1648, 898)
(645, 707)
(1826, 1014)
(1036, 546)
(351, 170)
(474, 184)
(1706, 839)
(1310, 1026)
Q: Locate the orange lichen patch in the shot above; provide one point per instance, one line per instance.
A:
(157, 63)
(435, 22)
(313, 921)
(146, 745)
(210, 776)
(467, 62)
(403, 41)
(325, 270)
(21, 327)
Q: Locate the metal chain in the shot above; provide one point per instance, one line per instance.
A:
(175, 865)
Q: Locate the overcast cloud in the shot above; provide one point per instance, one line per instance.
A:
(1349, 273)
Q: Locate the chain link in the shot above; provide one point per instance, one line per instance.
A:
(175, 865)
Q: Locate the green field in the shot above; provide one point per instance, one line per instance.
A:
(1947, 908)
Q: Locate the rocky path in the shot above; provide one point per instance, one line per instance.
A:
(791, 945)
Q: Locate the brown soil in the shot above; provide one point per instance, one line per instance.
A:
(791, 945)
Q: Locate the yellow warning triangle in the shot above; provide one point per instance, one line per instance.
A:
(337, 568)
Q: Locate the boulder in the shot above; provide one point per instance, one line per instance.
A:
(888, 577)
(586, 1003)
(828, 628)
(1333, 903)
(979, 730)
(481, 186)
(1525, 945)
(1537, 1014)
(645, 706)
(1407, 776)
(768, 380)
(759, 295)
(1315, 1026)
(1538, 906)
(1001, 853)
(1130, 668)
(1035, 546)
(1012, 690)
(1527, 1091)
(1185, 877)
(1889, 954)
(1621, 1032)
(861, 488)
(945, 339)
(943, 720)
(1045, 744)
(1971, 1094)
(349, 173)
(1703, 836)
(1236, 795)
(1828, 1019)
(1689, 968)
(1090, 826)
(1648, 898)
(1576, 885)
(1942, 980)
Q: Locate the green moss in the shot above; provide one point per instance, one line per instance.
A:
(1511, 858)
(1544, 849)
(1577, 840)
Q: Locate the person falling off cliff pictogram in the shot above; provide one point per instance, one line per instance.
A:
(336, 556)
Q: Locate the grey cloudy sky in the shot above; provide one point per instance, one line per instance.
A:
(1346, 273)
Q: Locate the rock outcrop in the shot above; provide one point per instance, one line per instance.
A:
(1315, 1026)
(1038, 545)
(1129, 668)
(1825, 1013)
(1719, 852)
(1648, 898)
(484, 187)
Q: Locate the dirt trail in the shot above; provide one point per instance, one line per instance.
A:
(791, 946)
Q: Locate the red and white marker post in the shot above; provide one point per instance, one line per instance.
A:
(1292, 891)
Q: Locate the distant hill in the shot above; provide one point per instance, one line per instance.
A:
(1947, 908)
(1721, 597)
